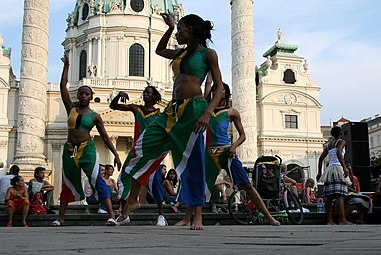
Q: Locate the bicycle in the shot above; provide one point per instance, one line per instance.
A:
(285, 207)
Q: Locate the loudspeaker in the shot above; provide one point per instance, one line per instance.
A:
(357, 152)
(363, 173)
(355, 131)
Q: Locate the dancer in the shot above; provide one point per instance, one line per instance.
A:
(144, 115)
(221, 153)
(179, 128)
(334, 175)
(80, 152)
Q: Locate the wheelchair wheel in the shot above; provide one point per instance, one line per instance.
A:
(292, 206)
(241, 208)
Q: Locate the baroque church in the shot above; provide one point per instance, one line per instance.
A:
(111, 46)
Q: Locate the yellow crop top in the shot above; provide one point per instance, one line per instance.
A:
(195, 65)
(83, 122)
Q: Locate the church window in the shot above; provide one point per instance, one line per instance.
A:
(289, 77)
(85, 11)
(82, 64)
(291, 121)
(137, 5)
(136, 60)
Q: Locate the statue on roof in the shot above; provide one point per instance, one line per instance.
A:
(280, 35)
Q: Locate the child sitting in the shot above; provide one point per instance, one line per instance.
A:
(309, 192)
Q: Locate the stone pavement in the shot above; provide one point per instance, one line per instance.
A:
(288, 239)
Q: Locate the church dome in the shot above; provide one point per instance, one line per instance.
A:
(83, 8)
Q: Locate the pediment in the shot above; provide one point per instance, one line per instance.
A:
(290, 97)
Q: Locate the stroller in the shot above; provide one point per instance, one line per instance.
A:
(278, 198)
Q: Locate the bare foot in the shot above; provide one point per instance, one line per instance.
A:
(24, 225)
(182, 223)
(274, 222)
(9, 224)
(175, 209)
(331, 223)
(197, 225)
(345, 223)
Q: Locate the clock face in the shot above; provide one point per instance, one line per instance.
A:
(85, 11)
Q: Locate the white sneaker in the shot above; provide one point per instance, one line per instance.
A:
(161, 221)
(102, 211)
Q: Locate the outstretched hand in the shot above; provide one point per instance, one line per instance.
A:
(117, 163)
(202, 123)
(123, 96)
(168, 18)
(65, 58)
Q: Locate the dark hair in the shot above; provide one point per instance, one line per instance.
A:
(108, 166)
(156, 93)
(15, 180)
(310, 183)
(226, 96)
(336, 131)
(15, 169)
(169, 179)
(201, 28)
(86, 86)
(38, 170)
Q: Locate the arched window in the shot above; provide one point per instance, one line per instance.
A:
(136, 60)
(82, 64)
(289, 77)
(137, 5)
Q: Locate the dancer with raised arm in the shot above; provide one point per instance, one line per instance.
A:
(179, 128)
(80, 152)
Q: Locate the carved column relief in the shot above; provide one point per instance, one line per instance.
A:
(243, 76)
(33, 80)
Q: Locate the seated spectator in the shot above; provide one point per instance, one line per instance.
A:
(89, 193)
(219, 195)
(111, 183)
(17, 200)
(289, 181)
(309, 192)
(5, 182)
(355, 200)
(170, 190)
(40, 192)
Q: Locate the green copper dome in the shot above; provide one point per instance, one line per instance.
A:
(108, 5)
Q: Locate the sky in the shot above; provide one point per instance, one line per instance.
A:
(341, 40)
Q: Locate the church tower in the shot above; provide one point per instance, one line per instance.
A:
(288, 109)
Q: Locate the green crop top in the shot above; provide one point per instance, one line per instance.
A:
(83, 122)
(195, 65)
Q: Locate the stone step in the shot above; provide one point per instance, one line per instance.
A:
(146, 215)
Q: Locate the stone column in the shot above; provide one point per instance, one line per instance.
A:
(243, 76)
(32, 93)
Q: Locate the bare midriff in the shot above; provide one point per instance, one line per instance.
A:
(77, 136)
(186, 86)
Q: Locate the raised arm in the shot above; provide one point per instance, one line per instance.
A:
(102, 132)
(235, 117)
(161, 48)
(122, 107)
(64, 78)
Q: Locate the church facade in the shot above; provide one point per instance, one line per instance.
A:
(112, 44)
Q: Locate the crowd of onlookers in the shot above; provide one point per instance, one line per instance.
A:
(20, 197)
(36, 196)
